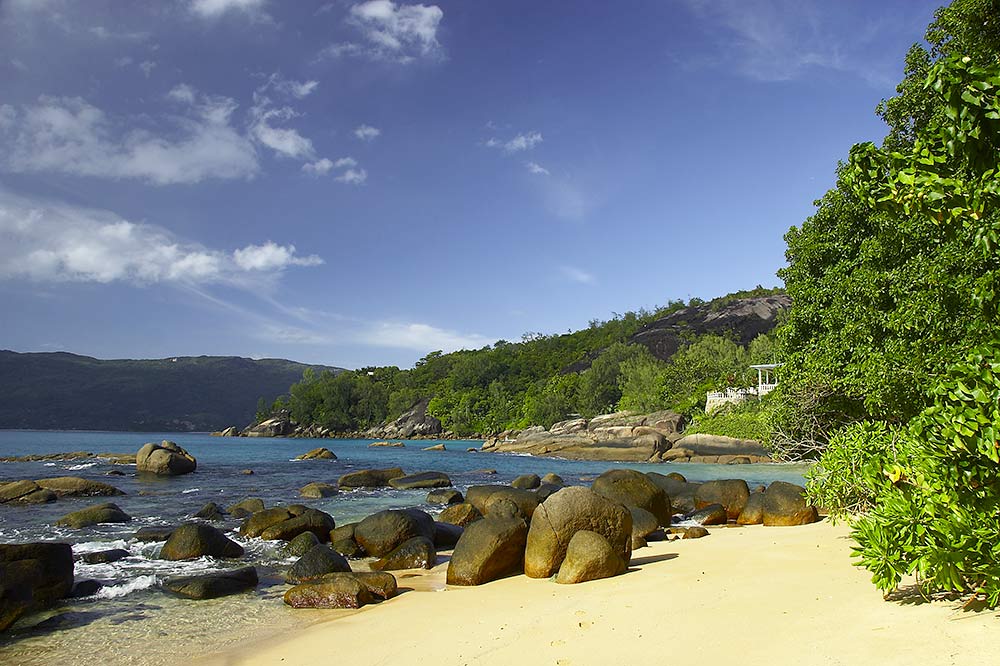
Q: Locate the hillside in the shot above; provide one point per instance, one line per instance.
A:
(62, 391)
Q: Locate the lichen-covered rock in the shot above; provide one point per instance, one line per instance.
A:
(370, 478)
(321, 453)
(382, 532)
(317, 561)
(421, 480)
(164, 459)
(343, 590)
(415, 553)
(462, 514)
(785, 505)
(634, 489)
(564, 514)
(246, 507)
(488, 549)
(193, 540)
(318, 490)
(94, 515)
(15, 490)
(213, 585)
(730, 493)
(589, 556)
(301, 544)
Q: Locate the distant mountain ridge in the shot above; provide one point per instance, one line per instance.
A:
(64, 391)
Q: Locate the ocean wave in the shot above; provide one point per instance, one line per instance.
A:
(80, 466)
(134, 585)
(95, 546)
(50, 465)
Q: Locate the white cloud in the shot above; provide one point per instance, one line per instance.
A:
(320, 167)
(56, 242)
(422, 338)
(536, 168)
(520, 143)
(147, 67)
(68, 135)
(574, 274)
(282, 140)
(287, 87)
(182, 92)
(394, 32)
(345, 162)
(367, 132)
(211, 9)
(353, 177)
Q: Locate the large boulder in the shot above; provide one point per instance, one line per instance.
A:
(213, 585)
(526, 482)
(753, 512)
(785, 504)
(104, 556)
(301, 544)
(259, 521)
(164, 459)
(32, 576)
(479, 496)
(643, 522)
(488, 549)
(589, 557)
(322, 453)
(444, 496)
(153, 533)
(370, 478)
(564, 514)
(343, 590)
(462, 514)
(634, 489)
(318, 522)
(193, 540)
(74, 486)
(730, 493)
(211, 511)
(317, 561)
(446, 535)
(679, 490)
(245, 507)
(415, 553)
(94, 515)
(380, 533)
(713, 514)
(318, 490)
(421, 480)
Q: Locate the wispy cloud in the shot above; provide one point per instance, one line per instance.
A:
(577, 275)
(350, 174)
(391, 32)
(421, 337)
(519, 143)
(46, 241)
(367, 132)
(213, 9)
(537, 169)
(781, 40)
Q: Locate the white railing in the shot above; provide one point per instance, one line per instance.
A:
(716, 399)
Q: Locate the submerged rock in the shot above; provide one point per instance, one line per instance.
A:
(213, 585)
(74, 486)
(94, 515)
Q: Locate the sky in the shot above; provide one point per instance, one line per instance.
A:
(358, 183)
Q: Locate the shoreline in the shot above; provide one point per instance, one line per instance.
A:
(758, 595)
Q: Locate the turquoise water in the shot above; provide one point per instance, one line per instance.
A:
(131, 604)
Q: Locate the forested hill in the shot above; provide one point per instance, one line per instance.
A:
(62, 391)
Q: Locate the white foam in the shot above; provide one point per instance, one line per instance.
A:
(80, 466)
(190, 490)
(134, 585)
(50, 464)
(94, 546)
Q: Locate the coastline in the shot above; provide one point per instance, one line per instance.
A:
(757, 595)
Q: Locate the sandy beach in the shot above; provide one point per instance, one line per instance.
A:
(750, 595)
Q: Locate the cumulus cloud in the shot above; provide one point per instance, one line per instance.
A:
(422, 338)
(211, 9)
(367, 132)
(536, 168)
(393, 32)
(520, 143)
(182, 92)
(56, 242)
(350, 174)
(68, 135)
(286, 142)
(574, 274)
(353, 177)
(320, 167)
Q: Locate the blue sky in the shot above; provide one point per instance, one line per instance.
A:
(363, 182)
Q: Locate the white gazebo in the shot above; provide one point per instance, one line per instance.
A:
(767, 379)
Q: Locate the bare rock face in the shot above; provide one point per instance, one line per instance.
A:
(413, 424)
(164, 459)
(278, 426)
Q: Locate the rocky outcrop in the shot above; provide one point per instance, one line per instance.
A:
(564, 514)
(194, 540)
(213, 585)
(276, 426)
(589, 557)
(321, 453)
(416, 423)
(164, 459)
(231, 431)
(74, 486)
(32, 576)
(25, 492)
(488, 549)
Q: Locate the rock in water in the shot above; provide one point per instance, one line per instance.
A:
(589, 556)
(318, 522)
(32, 576)
(318, 561)
(94, 515)
(164, 459)
(785, 504)
(301, 544)
(245, 507)
(210, 511)
(730, 493)
(421, 480)
(151, 533)
(104, 556)
(633, 488)
(552, 479)
(322, 453)
(318, 490)
(193, 540)
(213, 585)
(488, 549)
(74, 486)
(382, 532)
(370, 478)
(564, 514)
(415, 553)
(444, 496)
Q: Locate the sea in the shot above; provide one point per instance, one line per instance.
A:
(132, 620)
